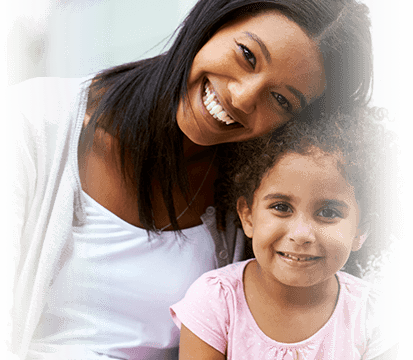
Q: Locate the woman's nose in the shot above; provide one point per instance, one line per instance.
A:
(245, 93)
(301, 231)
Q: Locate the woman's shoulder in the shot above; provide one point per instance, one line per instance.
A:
(43, 114)
(42, 106)
(35, 87)
(45, 96)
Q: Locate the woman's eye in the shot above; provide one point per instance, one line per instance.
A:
(248, 55)
(282, 101)
(328, 213)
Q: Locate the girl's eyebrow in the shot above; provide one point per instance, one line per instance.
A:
(263, 48)
(325, 202)
(336, 203)
(277, 196)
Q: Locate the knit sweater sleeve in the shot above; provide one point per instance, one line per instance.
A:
(18, 185)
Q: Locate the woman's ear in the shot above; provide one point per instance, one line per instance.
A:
(363, 232)
(245, 215)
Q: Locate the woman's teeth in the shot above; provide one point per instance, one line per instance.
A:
(297, 258)
(214, 107)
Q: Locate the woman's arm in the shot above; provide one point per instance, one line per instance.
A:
(390, 354)
(191, 347)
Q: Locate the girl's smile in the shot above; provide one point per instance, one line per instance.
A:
(303, 220)
(252, 76)
(300, 260)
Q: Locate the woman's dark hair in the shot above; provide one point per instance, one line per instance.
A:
(137, 102)
(366, 156)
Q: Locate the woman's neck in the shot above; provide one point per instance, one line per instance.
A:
(192, 152)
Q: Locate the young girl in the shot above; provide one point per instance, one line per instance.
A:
(306, 199)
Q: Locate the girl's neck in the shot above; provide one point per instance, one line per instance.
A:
(288, 314)
(295, 296)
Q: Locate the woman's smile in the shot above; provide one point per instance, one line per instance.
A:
(214, 106)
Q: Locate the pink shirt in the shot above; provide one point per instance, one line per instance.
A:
(215, 309)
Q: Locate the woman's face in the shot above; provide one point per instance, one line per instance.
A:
(252, 76)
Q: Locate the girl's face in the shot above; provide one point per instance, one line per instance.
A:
(249, 78)
(303, 220)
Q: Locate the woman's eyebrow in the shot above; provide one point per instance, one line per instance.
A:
(263, 48)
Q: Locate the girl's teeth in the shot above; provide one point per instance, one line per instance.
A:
(214, 107)
(298, 259)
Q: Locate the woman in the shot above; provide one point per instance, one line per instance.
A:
(102, 174)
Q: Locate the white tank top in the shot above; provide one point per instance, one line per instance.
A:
(114, 293)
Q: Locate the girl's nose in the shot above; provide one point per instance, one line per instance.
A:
(301, 232)
(245, 93)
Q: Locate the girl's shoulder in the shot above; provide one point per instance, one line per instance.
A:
(374, 308)
(368, 302)
(370, 293)
(208, 304)
(223, 285)
(229, 276)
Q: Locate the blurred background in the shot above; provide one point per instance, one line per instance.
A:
(74, 38)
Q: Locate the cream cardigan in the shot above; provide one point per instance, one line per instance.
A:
(42, 193)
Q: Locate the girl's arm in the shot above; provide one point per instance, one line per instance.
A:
(390, 354)
(191, 347)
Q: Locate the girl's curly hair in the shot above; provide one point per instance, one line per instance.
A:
(368, 161)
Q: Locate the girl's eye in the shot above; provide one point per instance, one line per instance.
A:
(328, 213)
(248, 55)
(282, 101)
(282, 208)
